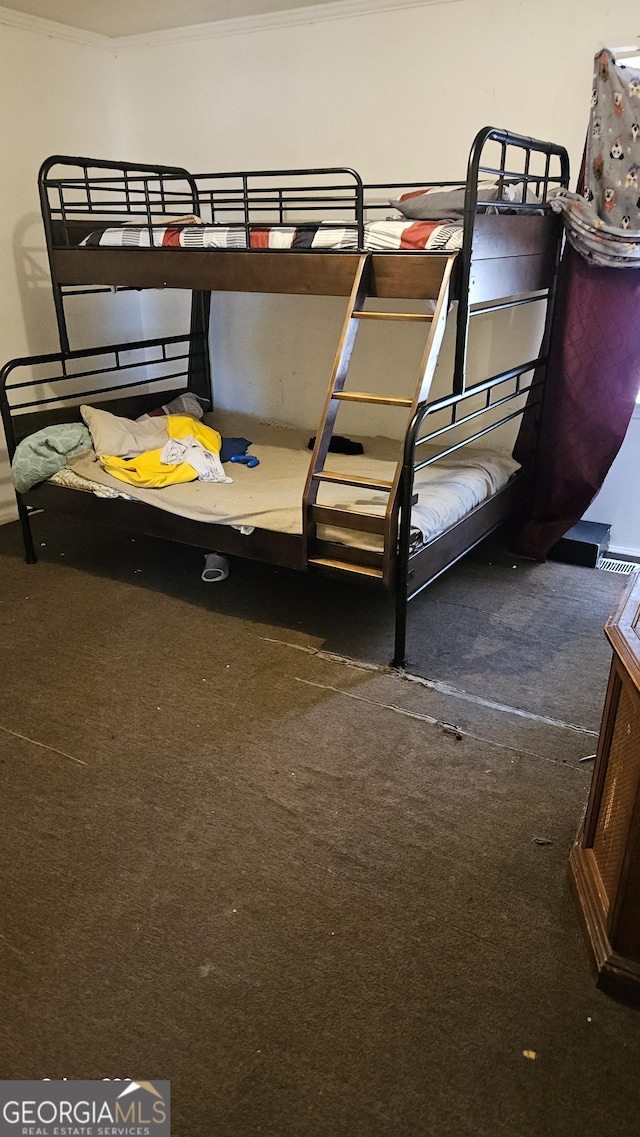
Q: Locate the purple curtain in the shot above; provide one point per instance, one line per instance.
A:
(593, 379)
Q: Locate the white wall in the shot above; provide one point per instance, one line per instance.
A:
(393, 93)
(59, 94)
(396, 94)
(618, 502)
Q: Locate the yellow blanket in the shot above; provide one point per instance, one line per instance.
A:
(148, 472)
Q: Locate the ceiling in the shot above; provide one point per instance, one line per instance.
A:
(132, 17)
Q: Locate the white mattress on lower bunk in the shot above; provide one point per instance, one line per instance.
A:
(269, 496)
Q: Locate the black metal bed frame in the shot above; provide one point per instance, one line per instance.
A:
(142, 363)
(143, 191)
(73, 206)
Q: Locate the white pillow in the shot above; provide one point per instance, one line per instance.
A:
(440, 203)
(122, 437)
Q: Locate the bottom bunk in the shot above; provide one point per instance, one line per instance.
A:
(268, 495)
(455, 498)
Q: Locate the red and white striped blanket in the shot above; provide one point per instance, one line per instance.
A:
(379, 236)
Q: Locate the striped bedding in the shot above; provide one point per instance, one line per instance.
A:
(379, 236)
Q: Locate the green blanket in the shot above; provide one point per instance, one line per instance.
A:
(42, 454)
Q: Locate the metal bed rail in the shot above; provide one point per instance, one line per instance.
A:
(64, 379)
(78, 194)
(94, 188)
(150, 194)
(282, 198)
(476, 412)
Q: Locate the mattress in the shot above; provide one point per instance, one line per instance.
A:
(379, 236)
(269, 496)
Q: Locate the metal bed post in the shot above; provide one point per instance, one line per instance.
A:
(45, 209)
(5, 412)
(505, 139)
(27, 536)
(470, 207)
(200, 380)
(402, 564)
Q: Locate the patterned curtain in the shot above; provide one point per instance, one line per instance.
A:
(593, 374)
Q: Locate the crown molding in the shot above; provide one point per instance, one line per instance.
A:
(269, 21)
(52, 29)
(217, 29)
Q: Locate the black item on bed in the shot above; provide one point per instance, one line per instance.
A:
(339, 445)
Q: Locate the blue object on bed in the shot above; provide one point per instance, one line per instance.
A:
(245, 459)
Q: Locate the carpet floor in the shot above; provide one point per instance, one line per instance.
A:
(320, 897)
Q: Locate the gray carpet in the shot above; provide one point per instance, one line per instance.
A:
(310, 894)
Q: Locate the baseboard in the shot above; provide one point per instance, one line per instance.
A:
(624, 552)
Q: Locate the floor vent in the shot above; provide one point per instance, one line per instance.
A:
(624, 567)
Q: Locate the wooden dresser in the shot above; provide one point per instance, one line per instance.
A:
(604, 865)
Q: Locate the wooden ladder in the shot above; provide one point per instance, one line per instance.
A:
(324, 554)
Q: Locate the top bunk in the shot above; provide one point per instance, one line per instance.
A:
(133, 225)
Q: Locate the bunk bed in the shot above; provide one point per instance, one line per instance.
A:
(492, 245)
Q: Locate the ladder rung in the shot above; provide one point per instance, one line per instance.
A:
(363, 522)
(366, 397)
(353, 480)
(421, 316)
(345, 566)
